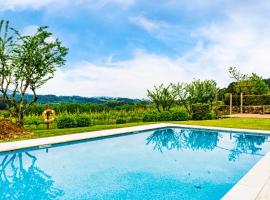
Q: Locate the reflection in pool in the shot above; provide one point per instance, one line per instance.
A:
(205, 140)
(169, 163)
(22, 179)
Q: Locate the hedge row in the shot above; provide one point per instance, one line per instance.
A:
(73, 121)
(201, 112)
(263, 99)
(225, 110)
(166, 116)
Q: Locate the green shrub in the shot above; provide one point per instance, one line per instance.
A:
(175, 115)
(150, 117)
(120, 121)
(4, 114)
(256, 99)
(179, 116)
(251, 100)
(66, 122)
(33, 120)
(201, 112)
(164, 116)
(82, 121)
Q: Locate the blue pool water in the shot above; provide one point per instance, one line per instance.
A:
(169, 163)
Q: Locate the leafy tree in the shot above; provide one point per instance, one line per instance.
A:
(195, 92)
(26, 63)
(258, 86)
(267, 81)
(202, 91)
(182, 95)
(248, 84)
(237, 75)
(162, 97)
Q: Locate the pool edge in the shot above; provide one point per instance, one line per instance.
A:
(28, 143)
(249, 187)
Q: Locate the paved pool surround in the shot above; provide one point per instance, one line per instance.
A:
(255, 185)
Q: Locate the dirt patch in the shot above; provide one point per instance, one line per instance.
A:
(9, 130)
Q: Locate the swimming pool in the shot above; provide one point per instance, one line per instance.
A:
(168, 163)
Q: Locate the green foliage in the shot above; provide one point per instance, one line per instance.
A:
(162, 97)
(150, 117)
(66, 122)
(248, 100)
(182, 97)
(195, 92)
(201, 112)
(82, 121)
(173, 115)
(247, 84)
(4, 114)
(202, 91)
(236, 74)
(179, 116)
(2, 105)
(26, 63)
(33, 120)
(75, 108)
(36, 109)
(164, 116)
(120, 121)
(182, 93)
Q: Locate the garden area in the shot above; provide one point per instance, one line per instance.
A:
(28, 62)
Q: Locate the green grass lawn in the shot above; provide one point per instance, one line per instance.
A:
(57, 132)
(259, 124)
(244, 123)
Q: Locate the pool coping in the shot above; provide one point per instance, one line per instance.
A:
(253, 186)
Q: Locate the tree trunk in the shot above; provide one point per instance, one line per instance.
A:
(19, 118)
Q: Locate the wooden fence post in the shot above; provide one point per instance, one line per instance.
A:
(230, 103)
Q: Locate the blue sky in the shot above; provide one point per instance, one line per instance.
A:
(123, 47)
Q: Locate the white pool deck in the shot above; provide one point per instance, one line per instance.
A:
(255, 185)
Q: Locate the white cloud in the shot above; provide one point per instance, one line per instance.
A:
(125, 78)
(23, 4)
(240, 40)
(172, 35)
(30, 30)
(101, 3)
(51, 4)
(145, 23)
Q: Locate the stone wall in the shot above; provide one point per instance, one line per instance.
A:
(225, 110)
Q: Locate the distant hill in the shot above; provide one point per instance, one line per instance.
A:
(48, 99)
